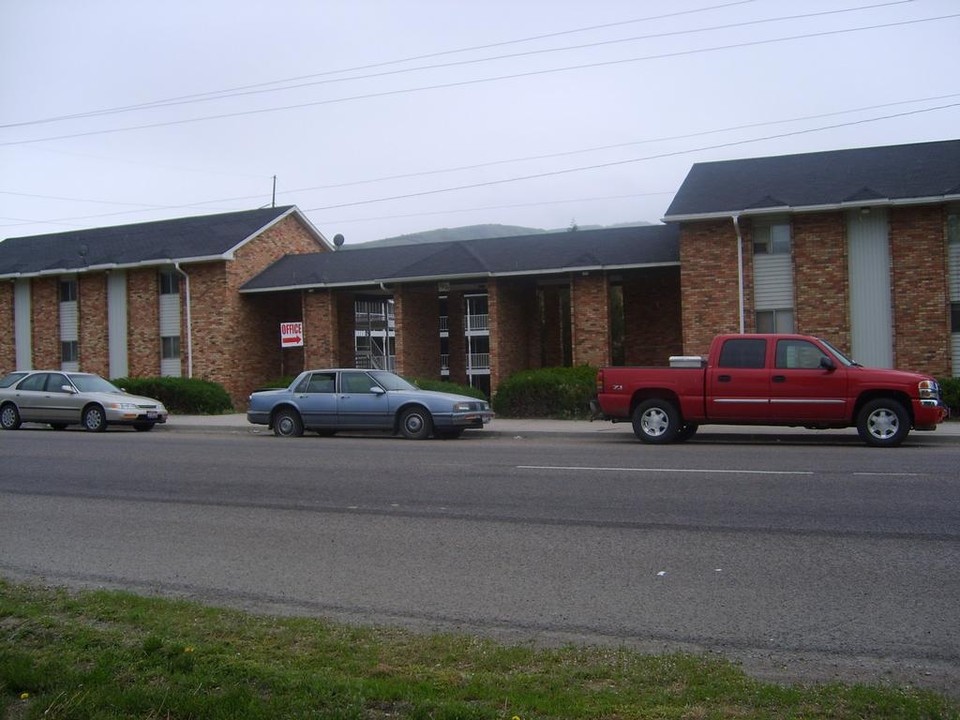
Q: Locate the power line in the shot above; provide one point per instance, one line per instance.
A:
(686, 136)
(616, 163)
(220, 94)
(462, 83)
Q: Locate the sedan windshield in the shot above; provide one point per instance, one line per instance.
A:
(93, 383)
(389, 381)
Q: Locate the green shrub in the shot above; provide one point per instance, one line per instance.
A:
(449, 387)
(189, 396)
(560, 392)
(950, 393)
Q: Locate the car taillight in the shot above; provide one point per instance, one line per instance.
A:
(599, 380)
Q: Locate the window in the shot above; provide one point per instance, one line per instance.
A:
(771, 237)
(170, 347)
(322, 383)
(798, 355)
(68, 290)
(35, 383)
(55, 382)
(743, 353)
(69, 351)
(775, 321)
(357, 382)
(169, 283)
(955, 317)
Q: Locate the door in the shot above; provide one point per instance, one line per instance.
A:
(41, 398)
(802, 390)
(362, 403)
(738, 386)
(316, 396)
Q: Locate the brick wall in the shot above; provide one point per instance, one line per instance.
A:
(416, 309)
(320, 329)
(921, 294)
(143, 323)
(232, 343)
(8, 352)
(512, 307)
(93, 332)
(590, 319)
(45, 325)
(709, 283)
(652, 316)
(821, 279)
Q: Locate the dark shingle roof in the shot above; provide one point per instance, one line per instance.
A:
(610, 248)
(181, 239)
(876, 175)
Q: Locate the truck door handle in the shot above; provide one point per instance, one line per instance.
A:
(723, 378)
(779, 378)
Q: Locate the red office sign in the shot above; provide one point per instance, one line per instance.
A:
(291, 334)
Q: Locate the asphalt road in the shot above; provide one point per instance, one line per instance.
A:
(804, 561)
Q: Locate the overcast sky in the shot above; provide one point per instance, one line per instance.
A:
(380, 118)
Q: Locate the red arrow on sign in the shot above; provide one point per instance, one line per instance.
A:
(296, 340)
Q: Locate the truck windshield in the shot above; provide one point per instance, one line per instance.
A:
(837, 354)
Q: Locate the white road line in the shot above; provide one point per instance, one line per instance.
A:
(666, 470)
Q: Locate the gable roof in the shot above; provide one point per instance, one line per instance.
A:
(892, 175)
(162, 242)
(582, 250)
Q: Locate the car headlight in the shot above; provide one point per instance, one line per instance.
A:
(122, 406)
(462, 407)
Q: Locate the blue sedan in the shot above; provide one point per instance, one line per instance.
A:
(348, 399)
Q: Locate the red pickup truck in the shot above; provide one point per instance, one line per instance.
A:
(788, 380)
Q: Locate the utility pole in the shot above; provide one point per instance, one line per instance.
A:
(273, 201)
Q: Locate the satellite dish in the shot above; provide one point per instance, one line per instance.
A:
(338, 240)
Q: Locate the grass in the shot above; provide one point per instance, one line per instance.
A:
(97, 654)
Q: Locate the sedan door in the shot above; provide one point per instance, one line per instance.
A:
(62, 405)
(362, 403)
(317, 399)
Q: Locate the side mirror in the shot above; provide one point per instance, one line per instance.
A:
(377, 390)
(68, 389)
(827, 363)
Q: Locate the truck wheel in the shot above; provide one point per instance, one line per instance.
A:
(883, 423)
(656, 421)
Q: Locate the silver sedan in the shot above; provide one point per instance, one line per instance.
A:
(61, 398)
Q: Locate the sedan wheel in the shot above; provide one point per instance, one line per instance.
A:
(287, 423)
(416, 424)
(9, 417)
(94, 419)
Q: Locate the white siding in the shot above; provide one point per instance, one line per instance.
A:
(954, 269)
(954, 272)
(117, 323)
(871, 314)
(773, 281)
(170, 327)
(23, 331)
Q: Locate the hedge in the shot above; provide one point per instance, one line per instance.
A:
(188, 396)
(561, 393)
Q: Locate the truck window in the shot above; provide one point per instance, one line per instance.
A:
(743, 353)
(798, 355)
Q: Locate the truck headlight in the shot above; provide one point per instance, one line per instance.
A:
(929, 390)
